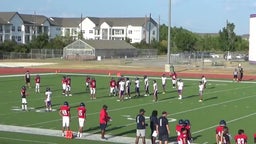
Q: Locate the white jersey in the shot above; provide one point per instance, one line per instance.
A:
(48, 95)
(137, 83)
(121, 85)
(180, 85)
(204, 80)
(128, 83)
(163, 80)
(146, 82)
(155, 87)
(201, 87)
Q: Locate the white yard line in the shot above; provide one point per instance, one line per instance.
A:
(57, 133)
(23, 140)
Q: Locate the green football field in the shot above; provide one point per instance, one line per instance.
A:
(233, 102)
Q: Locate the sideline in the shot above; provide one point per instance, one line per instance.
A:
(57, 133)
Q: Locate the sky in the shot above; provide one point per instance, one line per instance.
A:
(200, 16)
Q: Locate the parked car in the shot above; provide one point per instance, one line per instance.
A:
(213, 55)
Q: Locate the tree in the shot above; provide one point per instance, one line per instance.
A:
(184, 39)
(39, 42)
(227, 37)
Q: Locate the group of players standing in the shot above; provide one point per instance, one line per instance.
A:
(24, 94)
(223, 136)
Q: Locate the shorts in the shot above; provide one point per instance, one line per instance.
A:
(64, 86)
(24, 100)
(140, 132)
(155, 93)
(121, 92)
(200, 93)
(128, 90)
(103, 126)
(235, 76)
(65, 121)
(163, 137)
(81, 122)
(37, 85)
(27, 80)
(48, 103)
(173, 81)
(93, 90)
(137, 90)
(112, 89)
(179, 91)
(68, 88)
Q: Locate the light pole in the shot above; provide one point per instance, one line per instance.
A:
(168, 65)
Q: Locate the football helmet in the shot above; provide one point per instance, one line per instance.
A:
(23, 87)
(181, 122)
(48, 89)
(222, 122)
(82, 104)
(66, 103)
(187, 122)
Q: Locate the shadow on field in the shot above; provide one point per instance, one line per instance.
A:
(191, 96)
(172, 97)
(196, 137)
(133, 131)
(211, 98)
(44, 106)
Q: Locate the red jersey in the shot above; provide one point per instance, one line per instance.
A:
(182, 138)
(23, 93)
(173, 76)
(64, 81)
(37, 79)
(87, 79)
(219, 131)
(104, 118)
(241, 139)
(178, 129)
(93, 84)
(65, 110)
(68, 81)
(112, 83)
(81, 112)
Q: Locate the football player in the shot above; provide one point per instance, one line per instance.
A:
(37, 81)
(180, 85)
(81, 111)
(65, 114)
(48, 102)
(220, 131)
(112, 87)
(146, 85)
(241, 137)
(68, 86)
(24, 95)
(93, 88)
(27, 79)
(163, 83)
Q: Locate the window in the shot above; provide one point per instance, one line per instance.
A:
(27, 29)
(19, 28)
(19, 38)
(1, 38)
(154, 32)
(13, 28)
(1, 28)
(117, 32)
(130, 32)
(13, 38)
(90, 31)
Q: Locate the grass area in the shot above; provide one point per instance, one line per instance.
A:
(234, 102)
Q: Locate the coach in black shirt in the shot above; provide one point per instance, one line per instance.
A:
(163, 128)
(141, 127)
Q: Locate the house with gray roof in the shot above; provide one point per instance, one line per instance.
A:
(136, 29)
(22, 27)
(82, 49)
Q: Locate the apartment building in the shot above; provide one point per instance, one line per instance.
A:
(22, 27)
